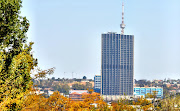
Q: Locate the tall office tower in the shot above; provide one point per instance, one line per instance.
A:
(117, 62)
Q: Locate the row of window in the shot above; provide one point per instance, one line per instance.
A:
(117, 36)
(118, 66)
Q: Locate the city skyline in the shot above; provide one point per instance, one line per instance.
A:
(72, 43)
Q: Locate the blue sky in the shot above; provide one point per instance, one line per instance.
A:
(67, 35)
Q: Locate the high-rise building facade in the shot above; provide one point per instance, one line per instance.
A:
(97, 83)
(117, 64)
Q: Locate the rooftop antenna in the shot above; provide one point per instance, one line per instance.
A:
(122, 25)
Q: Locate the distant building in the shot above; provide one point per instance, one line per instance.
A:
(77, 95)
(50, 93)
(84, 77)
(39, 92)
(110, 98)
(142, 91)
(97, 83)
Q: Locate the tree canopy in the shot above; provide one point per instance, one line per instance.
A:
(16, 59)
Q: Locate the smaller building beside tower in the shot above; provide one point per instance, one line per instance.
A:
(143, 91)
(97, 83)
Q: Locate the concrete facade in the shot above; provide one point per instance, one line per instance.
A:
(117, 64)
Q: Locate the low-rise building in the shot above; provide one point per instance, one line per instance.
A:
(77, 95)
(143, 91)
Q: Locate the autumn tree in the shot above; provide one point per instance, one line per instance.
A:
(170, 103)
(91, 102)
(122, 104)
(16, 59)
(36, 102)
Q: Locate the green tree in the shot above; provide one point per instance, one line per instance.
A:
(78, 86)
(63, 88)
(88, 85)
(16, 59)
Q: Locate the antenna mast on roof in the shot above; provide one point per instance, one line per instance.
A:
(122, 25)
